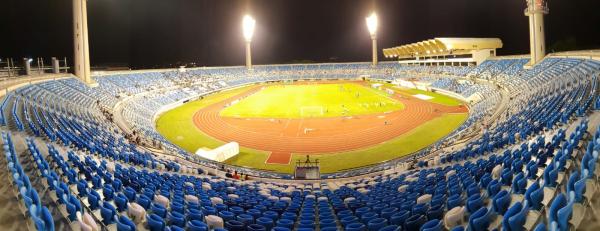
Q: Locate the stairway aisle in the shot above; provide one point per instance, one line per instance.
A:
(11, 218)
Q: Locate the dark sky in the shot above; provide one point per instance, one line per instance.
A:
(156, 33)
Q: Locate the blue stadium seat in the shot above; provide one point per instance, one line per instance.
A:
(501, 202)
(479, 220)
(155, 223)
(108, 212)
(377, 224)
(518, 219)
(197, 225)
(125, 224)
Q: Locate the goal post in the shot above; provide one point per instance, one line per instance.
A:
(311, 111)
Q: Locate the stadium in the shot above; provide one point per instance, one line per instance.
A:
(440, 134)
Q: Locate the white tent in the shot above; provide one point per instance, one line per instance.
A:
(221, 153)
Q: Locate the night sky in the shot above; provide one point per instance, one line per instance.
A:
(159, 33)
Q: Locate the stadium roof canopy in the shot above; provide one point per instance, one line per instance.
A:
(442, 47)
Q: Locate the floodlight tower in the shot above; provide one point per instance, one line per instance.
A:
(536, 9)
(248, 24)
(81, 57)
(372, 26)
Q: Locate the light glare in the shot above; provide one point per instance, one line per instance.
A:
(372, 23)
(248, 24)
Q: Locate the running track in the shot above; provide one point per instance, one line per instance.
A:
(282, 137)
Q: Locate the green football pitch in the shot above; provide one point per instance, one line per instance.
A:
(178, 127)
(313, 100)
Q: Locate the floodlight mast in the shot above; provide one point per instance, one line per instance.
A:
(248, 24)
(81, 57)
(536, 9)
(372, 26)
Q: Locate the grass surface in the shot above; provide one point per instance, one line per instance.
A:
(313, 100)
(178, 127)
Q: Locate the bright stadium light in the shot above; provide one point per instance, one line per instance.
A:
(248, 24)
(372, 26)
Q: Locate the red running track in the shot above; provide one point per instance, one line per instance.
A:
(282, 137)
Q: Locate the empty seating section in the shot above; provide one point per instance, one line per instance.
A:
(533, 167)
(496, 68)
(451, 85)
(437, 70)
(479, 69)
(30, 205)
(3, 108)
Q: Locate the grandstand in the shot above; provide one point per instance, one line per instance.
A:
(86, 153)
(57, 128)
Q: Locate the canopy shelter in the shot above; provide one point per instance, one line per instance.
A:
(443, 47)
